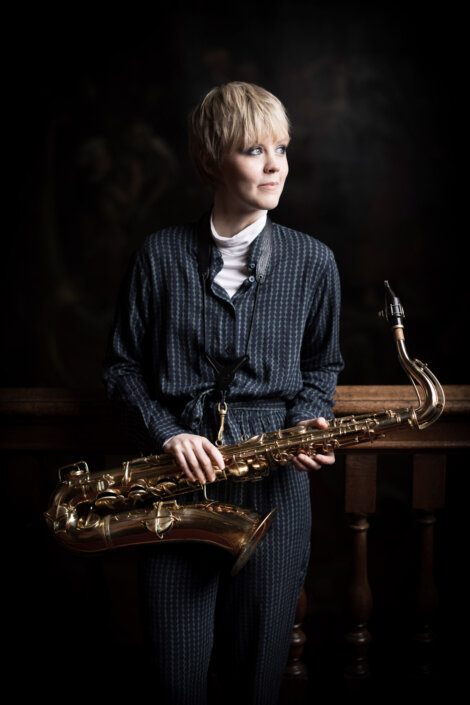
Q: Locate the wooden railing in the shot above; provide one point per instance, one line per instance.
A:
(72, 419)
(60, 425)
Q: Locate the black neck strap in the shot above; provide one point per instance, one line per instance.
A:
(225, 372)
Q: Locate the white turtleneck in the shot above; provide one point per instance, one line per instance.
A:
(234, 251)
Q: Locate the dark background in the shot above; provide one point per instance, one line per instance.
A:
(96, 158)
(97, 141)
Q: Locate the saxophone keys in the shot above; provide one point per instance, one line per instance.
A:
(282, 458)
(110, 499)
(165, 488)
(91, 521)
(80, 469)
(162, 518)
(137, 493)
(259, 464)
(237, 468)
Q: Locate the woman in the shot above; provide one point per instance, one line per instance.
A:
(236, 293)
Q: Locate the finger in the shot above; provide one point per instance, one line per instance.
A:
(194, 462)
(319, 459)
(303, 466)
(319, 422)
(299, 466)
(308, 462)
(181, 460)
(214, 453)
(205, 462)
(325, 459)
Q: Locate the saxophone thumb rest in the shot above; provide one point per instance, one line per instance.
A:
(135, 504)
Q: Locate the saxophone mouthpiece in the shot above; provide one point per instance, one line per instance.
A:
(393, 310)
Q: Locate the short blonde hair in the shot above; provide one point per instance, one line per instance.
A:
(232, 115)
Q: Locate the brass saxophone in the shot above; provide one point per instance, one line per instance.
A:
(92, 512)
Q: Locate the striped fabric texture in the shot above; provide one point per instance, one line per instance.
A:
(196, 616)
(155, 364)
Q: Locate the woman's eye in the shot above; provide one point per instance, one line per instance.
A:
(254, 150)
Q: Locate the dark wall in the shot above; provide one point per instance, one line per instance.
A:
(97, 159)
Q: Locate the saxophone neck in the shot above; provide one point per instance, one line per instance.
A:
(428, 389)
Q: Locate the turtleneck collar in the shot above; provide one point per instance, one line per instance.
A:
(240, 240)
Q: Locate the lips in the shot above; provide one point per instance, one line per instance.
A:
(270, 184)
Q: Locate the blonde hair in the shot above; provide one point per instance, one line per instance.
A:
(232, 115)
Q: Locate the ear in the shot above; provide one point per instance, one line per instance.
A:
(211, 170)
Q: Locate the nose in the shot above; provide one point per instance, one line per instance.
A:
(270, 164)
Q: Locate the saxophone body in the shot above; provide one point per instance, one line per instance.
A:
(134, 504)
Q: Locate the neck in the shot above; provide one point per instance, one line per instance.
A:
(229, 221)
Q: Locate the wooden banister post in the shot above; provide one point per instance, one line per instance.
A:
(360, 501)
(295, 681)
(429, 474)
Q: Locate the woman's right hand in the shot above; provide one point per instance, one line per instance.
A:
(195, 455)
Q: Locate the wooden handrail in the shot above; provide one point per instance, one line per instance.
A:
(350, 399)
(70, 419)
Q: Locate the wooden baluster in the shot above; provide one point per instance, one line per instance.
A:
(294, 684)
(360, 501)
(295, 667)
(429, 471)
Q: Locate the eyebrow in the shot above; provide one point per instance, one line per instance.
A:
(275, 141)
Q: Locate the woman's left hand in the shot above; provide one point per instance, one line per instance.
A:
(304, 462)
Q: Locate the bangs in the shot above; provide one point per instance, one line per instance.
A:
(259, 124)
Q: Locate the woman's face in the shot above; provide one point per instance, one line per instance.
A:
(252, 179)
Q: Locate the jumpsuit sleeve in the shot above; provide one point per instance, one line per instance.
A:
(124, 366)
(320, 357)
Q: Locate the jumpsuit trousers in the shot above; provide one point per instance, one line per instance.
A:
(195, 613)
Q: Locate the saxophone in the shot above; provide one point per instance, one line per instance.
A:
(133, 505)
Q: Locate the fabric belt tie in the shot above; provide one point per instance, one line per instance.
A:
(193, 411)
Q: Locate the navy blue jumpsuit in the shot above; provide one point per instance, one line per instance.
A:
(156, 369)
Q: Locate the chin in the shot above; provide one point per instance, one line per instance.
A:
(269, 202)
(273, 204)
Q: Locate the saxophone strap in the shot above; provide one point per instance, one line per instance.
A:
(225, 370)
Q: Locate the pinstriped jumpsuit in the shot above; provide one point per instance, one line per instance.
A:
(155, 368)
